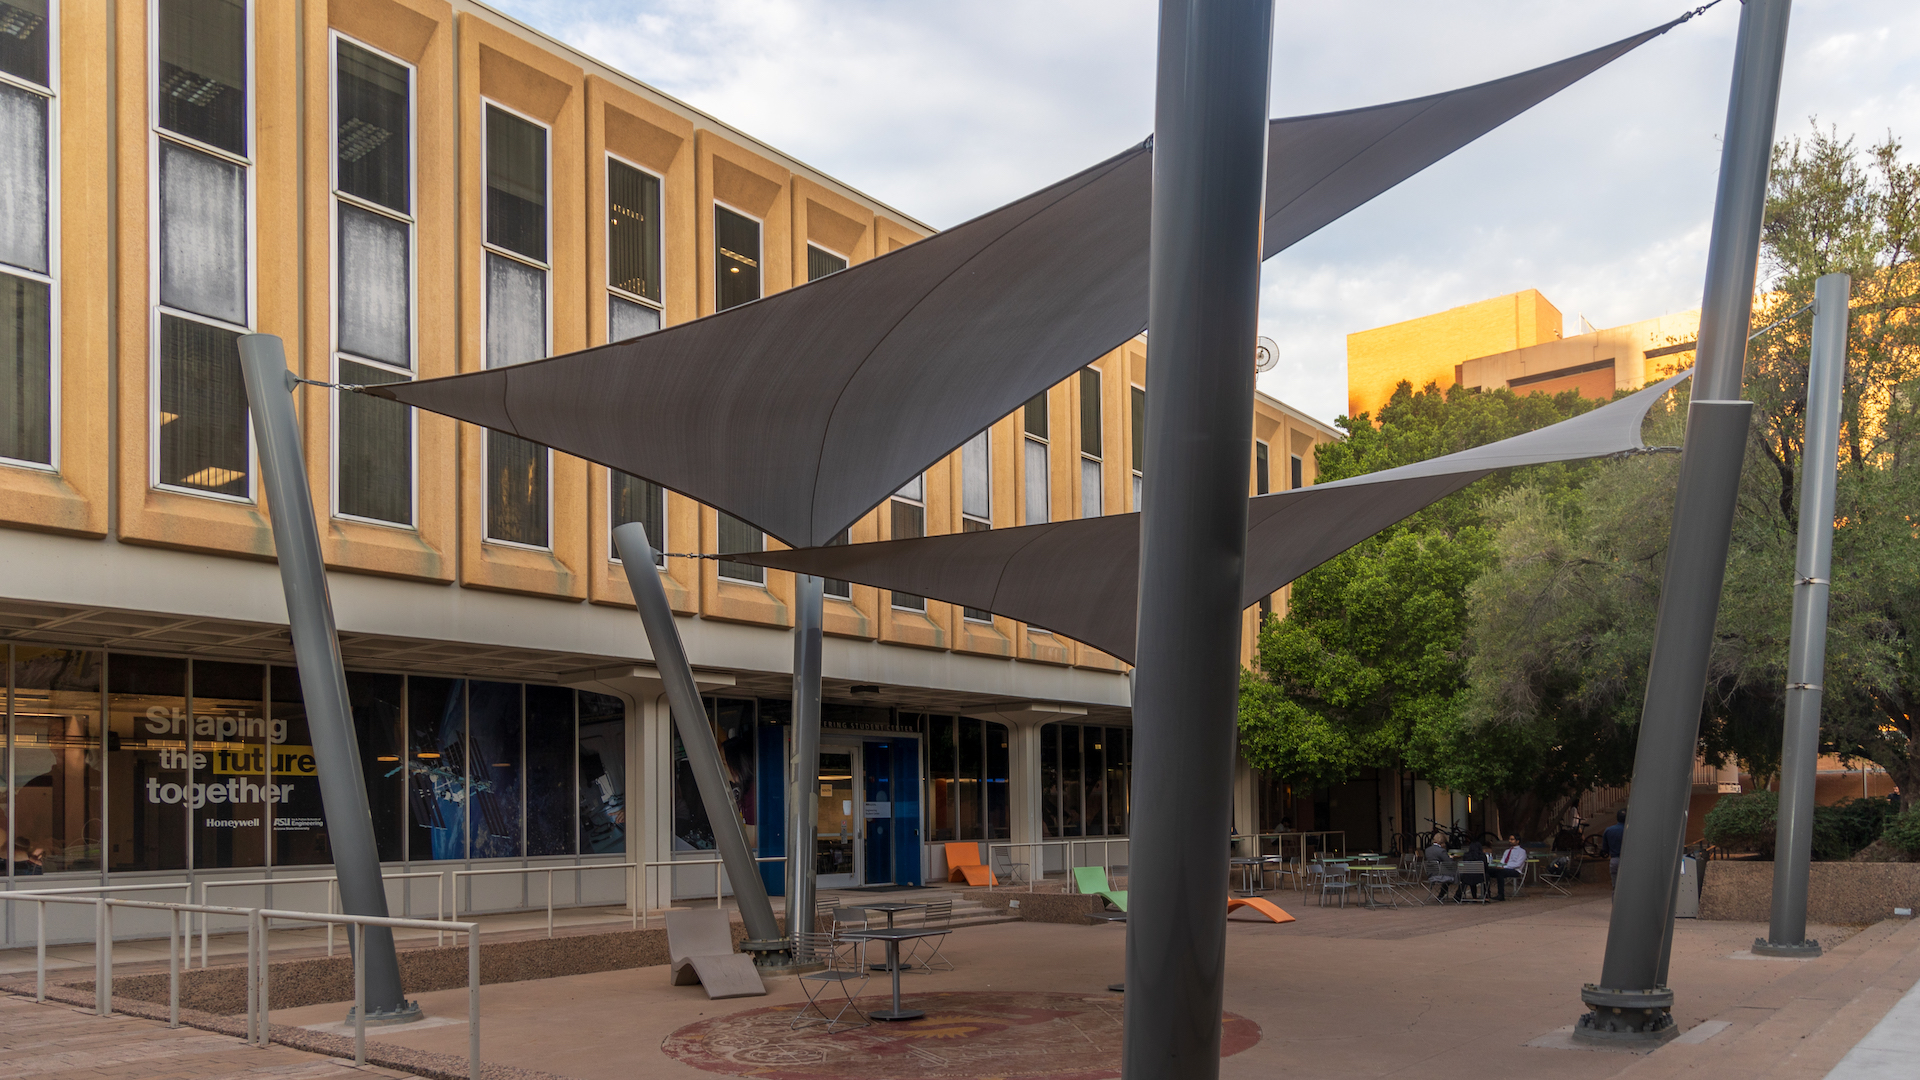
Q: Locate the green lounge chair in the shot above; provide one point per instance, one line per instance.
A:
(1092, 880)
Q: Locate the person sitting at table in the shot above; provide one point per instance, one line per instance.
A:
(1513, 863)
(1475, 853)
(1436, 856)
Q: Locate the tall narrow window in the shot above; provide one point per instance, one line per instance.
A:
(909, 510)
(834, 586)
(27, 383)
(1138, 401)
(633, 251)
(203, 170)
(1091, 478)
(1297, 474)
(516, 315)
(1262, 469)
(1036, 460)
(373, 291)
(737, 536)
(976, 498)
(630, 499)
(736, 262)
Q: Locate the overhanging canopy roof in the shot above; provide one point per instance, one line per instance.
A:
(800, 412)
(1081, 578)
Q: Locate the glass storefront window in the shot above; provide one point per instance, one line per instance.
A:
(940, 775)
(150, 782)
(968, 809)
(436, 768)
(1050, 780)
(603, 775)
(53, 774)
(230, 757)
(1086, 777)
(550, 768)
(732, 720)
(378, 703)
(1071, 773)
(493, 769)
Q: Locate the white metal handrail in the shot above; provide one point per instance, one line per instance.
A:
(1039, 869)
(715, 863)
(333, 895)
(259, 1030)
(549, 871)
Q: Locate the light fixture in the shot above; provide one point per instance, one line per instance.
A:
(427, 754)
(386, 757)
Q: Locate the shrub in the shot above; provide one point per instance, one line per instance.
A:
(1849, 826)
(1903, 830)
(1744, 822)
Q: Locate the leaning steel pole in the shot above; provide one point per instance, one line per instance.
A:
(1807, 654)
(323, 678)
(1631, 1003)
(1209, 179)
(803, 791)
(696, 736)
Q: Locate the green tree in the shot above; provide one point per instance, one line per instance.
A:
(1366, 668)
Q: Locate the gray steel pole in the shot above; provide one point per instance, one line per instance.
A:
(1807, 655)
(323, 678)
(696, 735)
(1630, 1003)
(803, 792)
(1210, 145)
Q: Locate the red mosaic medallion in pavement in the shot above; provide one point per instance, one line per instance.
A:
(1058, 1036)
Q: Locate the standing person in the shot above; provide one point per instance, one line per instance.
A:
(1513, 863)
(1615, 835)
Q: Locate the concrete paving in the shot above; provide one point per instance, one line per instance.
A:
(1433, 992)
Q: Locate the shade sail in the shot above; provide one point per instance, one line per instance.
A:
(1081, 578)
(800, 412)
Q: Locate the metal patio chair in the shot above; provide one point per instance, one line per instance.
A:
(1008, 871)
(926, 955)
(846, 970)
(1440, 874)
(1336, 880)
(1472, 875)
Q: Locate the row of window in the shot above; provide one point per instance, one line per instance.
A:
(210, 765)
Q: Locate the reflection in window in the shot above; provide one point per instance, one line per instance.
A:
(516, 316)
(379, 703)
(436, 768)
(516, 184)
(1138, 413)
(232, 747)
(834, 586)
(633, 231)
(909, 514)
(632, 499)
(1262, 469)
(737, 536)
(603, 775)
(550, 768)
(732, 720)
(26, 296)
(968, 778)
(736, 241)
(374, 448)
(203, 409)
(821, 263)
(55, 775)
(203, 71)
(493, 769)
(26, 369)
(153, 783)
(1086, 780)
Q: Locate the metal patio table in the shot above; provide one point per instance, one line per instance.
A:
(893, 938)
(892, 908)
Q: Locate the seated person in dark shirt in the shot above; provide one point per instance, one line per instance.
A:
(1475, 853)
(27, 859)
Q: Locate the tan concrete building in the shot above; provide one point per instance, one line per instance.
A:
(409, 189)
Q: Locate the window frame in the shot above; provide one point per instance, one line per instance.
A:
(51, 279)
(607, 214)
(250, 228)
(920, 480)
(1136, 420)
(412, 220)
(546, 268)
(847, 259)
(986, 441)
(1262, 467)
(759, 255)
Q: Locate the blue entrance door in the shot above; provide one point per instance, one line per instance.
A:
(878, 809)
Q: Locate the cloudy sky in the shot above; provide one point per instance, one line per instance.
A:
(1599, 198)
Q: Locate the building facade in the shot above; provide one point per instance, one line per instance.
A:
(406, 189)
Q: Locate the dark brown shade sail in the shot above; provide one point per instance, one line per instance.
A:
(800, 412)
(1081, 578)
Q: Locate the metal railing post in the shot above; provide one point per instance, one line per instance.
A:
(473, 1004)
(359, 933)
(40, 951)
(103, 990)
(550, 902)
(253, 998)
(173, 963)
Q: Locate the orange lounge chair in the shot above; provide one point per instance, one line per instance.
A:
(963, 864)
(1264, 907)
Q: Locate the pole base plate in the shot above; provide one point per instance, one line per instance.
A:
(1805, 950)
(775, 957)
(404, 1013)
(1625, 1017)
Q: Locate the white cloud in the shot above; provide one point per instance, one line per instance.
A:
(1600, 197)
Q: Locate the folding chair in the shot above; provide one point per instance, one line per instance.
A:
(926, 954)
(1439, 873)
(1004, 868)
(845, 967)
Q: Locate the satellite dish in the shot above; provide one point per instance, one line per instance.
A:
(1266, 355)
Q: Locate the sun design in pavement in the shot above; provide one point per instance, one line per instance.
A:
(964, 1034)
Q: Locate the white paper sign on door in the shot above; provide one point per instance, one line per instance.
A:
(879, 810)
